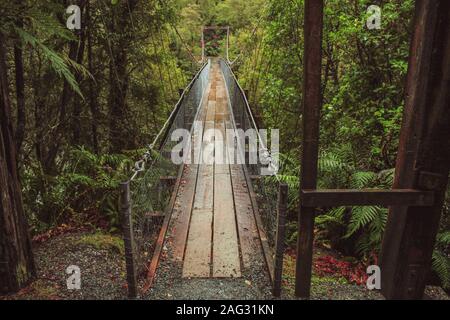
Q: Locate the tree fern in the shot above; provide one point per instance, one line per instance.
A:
(325, 219)
(48, 25)
(362, 179)
(386, 178)
(441, 265)
(331, 162)
(57, 63)
(362, 217)
(443, 239)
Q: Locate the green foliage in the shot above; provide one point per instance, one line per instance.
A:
(59, 64)
(441, 258)
(103, 241)
(85, 188)
(137, 53)
(363, 225)
(441, 265)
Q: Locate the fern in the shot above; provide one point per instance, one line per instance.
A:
(338, 213)
(58, 64)
(386, 178)
(362, 179)
(329, 162)
(443, 239)
(49, 25)
(441, 265)
(362, 217)
(293, 182)
(325, 219)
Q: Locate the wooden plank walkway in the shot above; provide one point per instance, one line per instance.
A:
(213, 228)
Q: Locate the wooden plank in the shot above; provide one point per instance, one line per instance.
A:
(182, 211)
(212, 94)
(246, 224)
(248, 232)
(205, 185)
(226, 259)
(210, 113)
(263, 241)
(220, 154)
(366, 197)
(184, 203)
(226, 262)
(197, 261)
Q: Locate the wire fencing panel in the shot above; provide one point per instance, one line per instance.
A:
(153, 181)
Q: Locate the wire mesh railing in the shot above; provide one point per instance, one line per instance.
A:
(145, 197)
(262, 175)
(270, 194)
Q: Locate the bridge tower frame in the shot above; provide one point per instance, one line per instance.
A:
(227, 28)
(423, 160)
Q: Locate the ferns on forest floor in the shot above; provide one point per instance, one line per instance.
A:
(441, 260)
(86, 184)
(359, 229)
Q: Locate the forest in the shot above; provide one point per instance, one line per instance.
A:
(79, 106)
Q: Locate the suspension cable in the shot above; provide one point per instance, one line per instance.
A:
(185, 44)
(140, 164)
(264, 148)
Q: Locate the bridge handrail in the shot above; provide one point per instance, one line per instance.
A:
(140, 164)
(146, 196)
(247, 105)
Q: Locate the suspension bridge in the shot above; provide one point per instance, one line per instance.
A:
(218, 224)
(212, 227)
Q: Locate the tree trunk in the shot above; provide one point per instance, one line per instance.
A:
(16, 258)
(20, 86)
(93, 104)
(121, 25)
(77, 103)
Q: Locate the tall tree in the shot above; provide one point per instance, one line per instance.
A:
(16, 258)
(20, 88)
(122, 29)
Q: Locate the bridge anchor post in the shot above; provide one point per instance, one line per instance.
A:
(127, 225)
(280, 236)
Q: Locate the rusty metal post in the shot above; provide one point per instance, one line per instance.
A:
(280, 236)
(423, 160)
(312, 100)
(127, 225)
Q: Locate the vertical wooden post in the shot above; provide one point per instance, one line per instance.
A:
(125, 202)
(281, 232)
(312, 101)
(423, 158)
